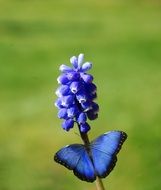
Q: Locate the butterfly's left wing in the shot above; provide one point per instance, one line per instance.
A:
(104, 150)
(76, 158)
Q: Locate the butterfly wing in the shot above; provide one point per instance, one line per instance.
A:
(76, 158)
(104, 150)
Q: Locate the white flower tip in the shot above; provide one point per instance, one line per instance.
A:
(80, 59)
(61, 67)
(56, 104)
(73, 59)
(58, 79)
(65, 68)
(86, 66)
(57, 92)
(81, 55)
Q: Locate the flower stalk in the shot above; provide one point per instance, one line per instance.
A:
(85, 139)
(99, 184)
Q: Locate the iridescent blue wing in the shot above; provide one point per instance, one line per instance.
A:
(76, 158)
(104, 150)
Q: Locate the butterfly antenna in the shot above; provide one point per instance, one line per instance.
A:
(77, 134)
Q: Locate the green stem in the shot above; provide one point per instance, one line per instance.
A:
(84, 136)
(99, 184)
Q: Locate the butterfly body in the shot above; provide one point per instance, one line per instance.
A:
(95, 159)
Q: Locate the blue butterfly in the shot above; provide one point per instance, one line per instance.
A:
(98, 159)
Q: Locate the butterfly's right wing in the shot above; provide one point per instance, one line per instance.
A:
(104, 150)
(75, 157)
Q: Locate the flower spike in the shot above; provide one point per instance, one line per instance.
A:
(76, 95)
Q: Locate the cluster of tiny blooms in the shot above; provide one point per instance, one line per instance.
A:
(76, 95)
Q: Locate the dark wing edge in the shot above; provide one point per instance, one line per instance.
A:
(113, 164)
(59, 161)
(114, 156)
(83, 178)
(122, 140)
(75, 172)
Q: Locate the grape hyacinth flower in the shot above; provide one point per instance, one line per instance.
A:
(76, 95)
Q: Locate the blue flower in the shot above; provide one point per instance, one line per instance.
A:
(76, 95)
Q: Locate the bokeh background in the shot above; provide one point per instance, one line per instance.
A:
(123, 40)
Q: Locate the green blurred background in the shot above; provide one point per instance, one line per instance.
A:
(123, 40)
